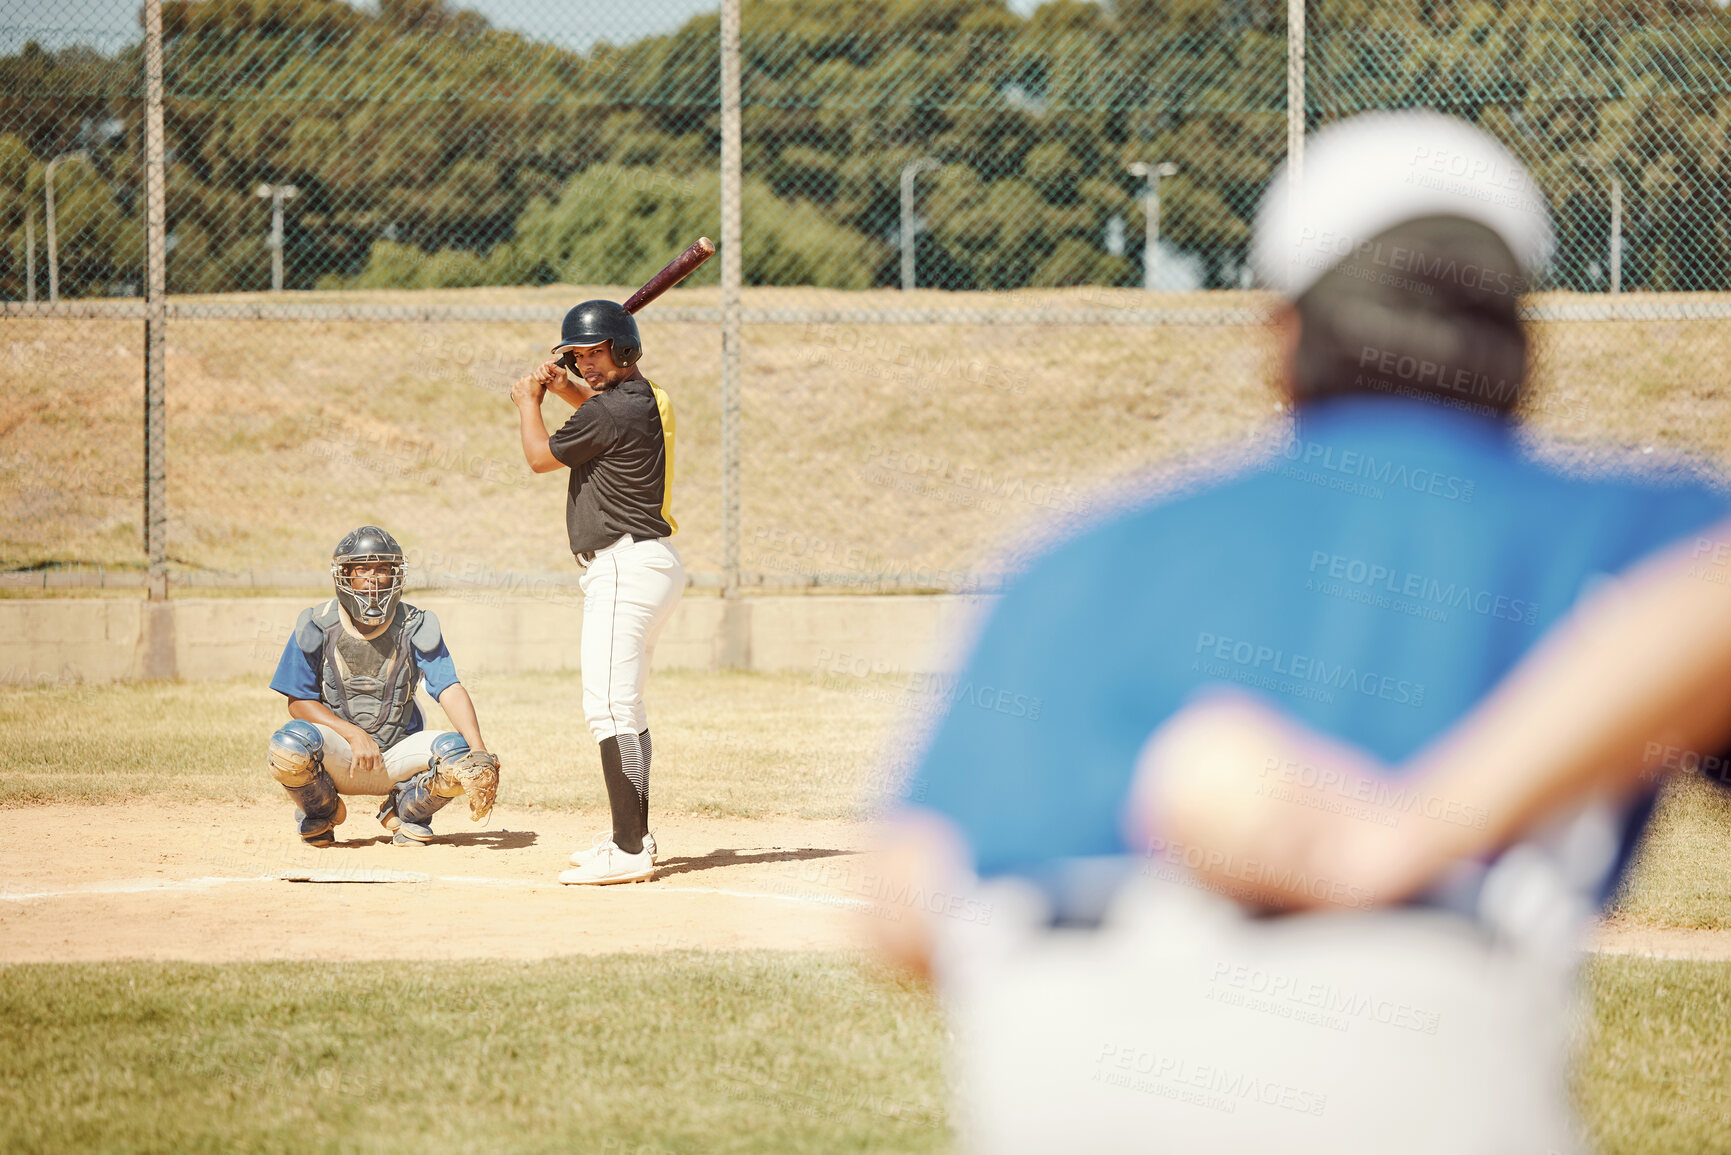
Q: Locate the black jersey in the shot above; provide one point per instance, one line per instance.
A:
(620, 456)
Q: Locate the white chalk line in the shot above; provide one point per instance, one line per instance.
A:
(130, 886)
(1662, 955)
(149, 885)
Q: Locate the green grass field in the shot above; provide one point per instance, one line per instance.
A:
(666, 1053)
(1652, 1078)
(682, 1052)
(638, 1055)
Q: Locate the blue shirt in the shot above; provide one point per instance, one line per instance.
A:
(1374, 577)
(297, 673)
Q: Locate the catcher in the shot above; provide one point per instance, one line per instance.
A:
(349, 673)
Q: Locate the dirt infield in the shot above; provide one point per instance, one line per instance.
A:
(1618, 936)
(205, 883)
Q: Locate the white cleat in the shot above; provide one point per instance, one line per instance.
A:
(608, 864)
(582, 857)
(605, 838)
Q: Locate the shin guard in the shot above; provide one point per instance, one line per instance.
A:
(413, 802)
(408, 810)
(296, 758)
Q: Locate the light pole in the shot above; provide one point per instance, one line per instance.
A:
(1616, 217)
(910, 227)
(1115, 235)
(48, 194)
(30, 255)
(277, 193)
(1151, 207)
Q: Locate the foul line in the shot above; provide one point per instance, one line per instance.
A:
(131, 886)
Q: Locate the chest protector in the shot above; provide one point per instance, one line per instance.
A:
(370, 682)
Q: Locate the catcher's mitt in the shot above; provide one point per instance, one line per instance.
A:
(475, 774)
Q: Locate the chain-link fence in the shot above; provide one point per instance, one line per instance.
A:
(1079, 178)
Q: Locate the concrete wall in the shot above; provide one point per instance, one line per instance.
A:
(110, 639)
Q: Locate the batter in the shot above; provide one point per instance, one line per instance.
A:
(618, 446)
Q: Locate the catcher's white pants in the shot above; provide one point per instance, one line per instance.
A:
(629, 591)
(403, 761)
(1181, 1025)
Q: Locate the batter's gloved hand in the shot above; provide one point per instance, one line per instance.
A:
(475, 774)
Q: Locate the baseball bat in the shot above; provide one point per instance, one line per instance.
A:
(676, 271)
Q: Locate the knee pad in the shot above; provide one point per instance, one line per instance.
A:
(448, 749)
(297, 760)
(297, 753)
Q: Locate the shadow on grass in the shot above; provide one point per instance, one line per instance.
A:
(721, 858)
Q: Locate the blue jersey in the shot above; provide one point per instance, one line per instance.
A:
(1374, 577)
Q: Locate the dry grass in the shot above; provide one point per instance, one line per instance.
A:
(742, 745)
(1682, 875)
(923, 448)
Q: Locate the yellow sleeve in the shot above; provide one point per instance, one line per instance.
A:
(664, 403)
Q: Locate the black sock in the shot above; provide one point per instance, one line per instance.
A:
(622, 799)
(643, 792)
(634, 761)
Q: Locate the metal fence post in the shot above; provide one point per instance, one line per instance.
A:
(1616, 232)
(155, 309)
(1295, 91)
(736, 633)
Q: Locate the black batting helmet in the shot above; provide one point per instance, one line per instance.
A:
(594, 322)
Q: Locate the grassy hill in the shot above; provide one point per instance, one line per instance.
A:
(866, 448)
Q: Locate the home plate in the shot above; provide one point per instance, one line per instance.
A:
(355, 874)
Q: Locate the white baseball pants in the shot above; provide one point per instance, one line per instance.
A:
(403, 761)
(1182, 1025)
(629, 591)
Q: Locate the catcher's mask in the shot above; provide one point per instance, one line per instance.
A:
(374, 600)
(598, 322)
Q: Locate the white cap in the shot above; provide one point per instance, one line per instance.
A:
(1363, 176)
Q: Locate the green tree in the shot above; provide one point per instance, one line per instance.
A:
(617, 225)
(431, 148)
(51, 104)
(1579, 90)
